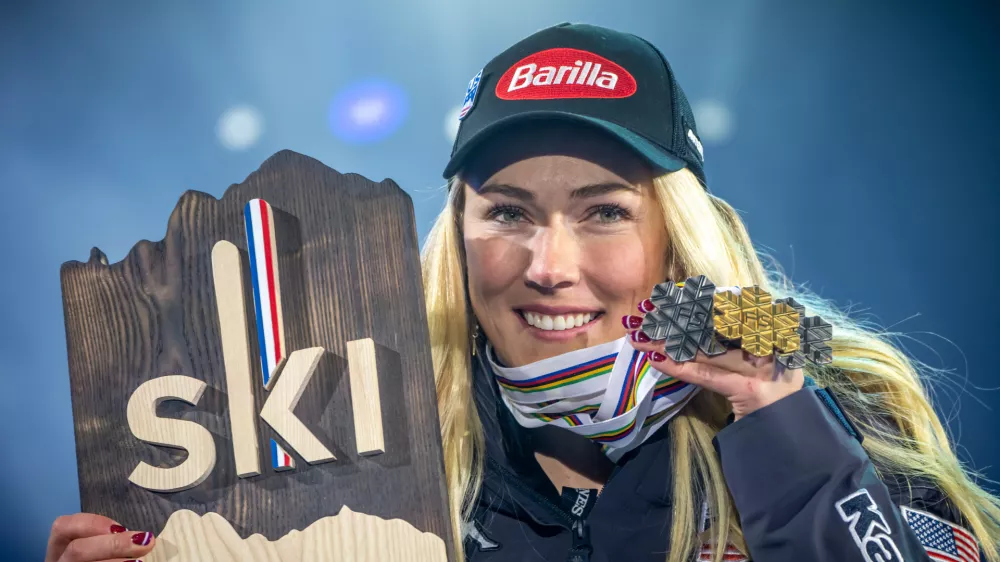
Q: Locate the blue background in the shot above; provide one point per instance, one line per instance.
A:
(862, 149)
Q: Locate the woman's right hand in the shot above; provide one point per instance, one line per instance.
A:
(86, 537)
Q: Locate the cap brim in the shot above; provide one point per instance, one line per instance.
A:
(658, 157)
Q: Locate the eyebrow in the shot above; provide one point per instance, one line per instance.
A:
(583, 192)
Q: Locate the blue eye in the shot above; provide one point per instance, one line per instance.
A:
(611, 213)
(505, 214)
(608, 213)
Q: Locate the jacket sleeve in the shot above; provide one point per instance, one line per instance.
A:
(806, 490)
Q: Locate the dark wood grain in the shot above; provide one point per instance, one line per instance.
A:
(350, 270)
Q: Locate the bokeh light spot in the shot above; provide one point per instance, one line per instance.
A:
(715, 122)
(240, 127)
(368, 111)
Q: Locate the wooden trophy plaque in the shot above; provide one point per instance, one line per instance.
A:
(258, 385)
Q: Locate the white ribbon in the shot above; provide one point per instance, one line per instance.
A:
(609, 393)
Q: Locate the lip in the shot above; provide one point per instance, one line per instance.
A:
(556, 335)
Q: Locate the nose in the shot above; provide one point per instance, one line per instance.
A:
(555, 255)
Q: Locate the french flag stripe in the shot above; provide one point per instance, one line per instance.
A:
(252, 250)
(266, 290)
(279, 458)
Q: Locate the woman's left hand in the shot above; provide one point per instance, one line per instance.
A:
(747, 381)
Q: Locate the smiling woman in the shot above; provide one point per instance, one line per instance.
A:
(567, 203)
(552, 219)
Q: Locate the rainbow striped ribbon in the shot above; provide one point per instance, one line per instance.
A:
(608, 393)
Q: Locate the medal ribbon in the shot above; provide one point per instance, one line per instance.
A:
(608, 393)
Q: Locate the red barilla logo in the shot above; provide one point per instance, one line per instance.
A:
(565, 73)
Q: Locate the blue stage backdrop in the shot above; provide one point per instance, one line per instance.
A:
(858, 138)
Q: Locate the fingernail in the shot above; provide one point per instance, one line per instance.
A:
(640, 336)
(657, 356)
(631, 322)
(646, 306)
(118, 529)
(142, 539)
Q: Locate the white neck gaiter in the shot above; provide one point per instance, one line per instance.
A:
(608, 393)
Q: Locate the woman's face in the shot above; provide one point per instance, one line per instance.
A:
(563, 237)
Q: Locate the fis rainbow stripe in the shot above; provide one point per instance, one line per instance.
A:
(563, 377)
(667, 386)
(263, 250)
(570, 416)
(609, 393)
(571, 420)
(280, 459)
(637, 369)
(613, 435)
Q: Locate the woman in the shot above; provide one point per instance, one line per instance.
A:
(574, 197)
(576, 185)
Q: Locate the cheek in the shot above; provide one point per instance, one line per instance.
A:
(626, 271)
(494, 265)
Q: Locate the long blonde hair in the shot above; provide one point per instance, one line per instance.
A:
(882, 390)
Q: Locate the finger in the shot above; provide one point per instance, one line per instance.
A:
(735, 360)
(740, 361)
(68, 528)
(642, 342)
(120, 545)
(711, 377)
(645, 306)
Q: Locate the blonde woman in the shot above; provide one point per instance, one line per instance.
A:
(576, 186)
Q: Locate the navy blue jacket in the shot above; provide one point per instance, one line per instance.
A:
(802, 484)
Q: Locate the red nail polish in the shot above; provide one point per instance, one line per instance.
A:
(657, 356)
(142, 539)
(631, 322)
(640, 336)
(118, 529)
(646, 306)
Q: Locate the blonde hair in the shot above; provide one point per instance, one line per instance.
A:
(883, 391)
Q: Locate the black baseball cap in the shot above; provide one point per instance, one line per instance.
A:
(615, 81)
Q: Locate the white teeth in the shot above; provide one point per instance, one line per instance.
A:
(546, 322)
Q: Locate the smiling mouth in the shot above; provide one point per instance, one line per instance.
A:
(558, 322)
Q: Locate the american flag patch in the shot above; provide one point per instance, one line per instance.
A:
(731, 554)
(470, 96)
(942, 540)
